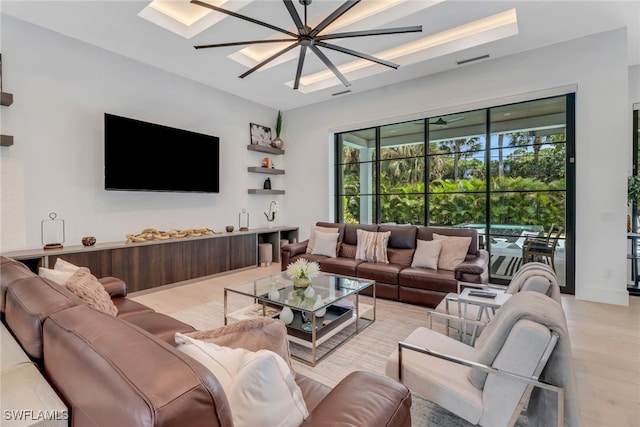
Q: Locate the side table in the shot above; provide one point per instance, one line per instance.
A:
(487, 307)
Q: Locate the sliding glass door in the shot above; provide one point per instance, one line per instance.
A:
(506, 171)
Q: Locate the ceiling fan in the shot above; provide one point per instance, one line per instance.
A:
(443, 122)
(310, 38)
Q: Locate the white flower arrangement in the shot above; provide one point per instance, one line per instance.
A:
(303, 269)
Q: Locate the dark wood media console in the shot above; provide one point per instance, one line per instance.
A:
(161, 262)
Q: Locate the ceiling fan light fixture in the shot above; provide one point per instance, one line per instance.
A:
(309, 37)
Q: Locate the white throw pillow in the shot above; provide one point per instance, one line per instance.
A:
(453, 252)
(259, 385)
(372, 246)
(427, 254)
(312, 236)
(325, 244)
(57, 276)
(62, 265)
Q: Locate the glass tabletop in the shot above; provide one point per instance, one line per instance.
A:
(278, 288)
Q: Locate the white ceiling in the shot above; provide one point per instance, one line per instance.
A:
(116, 26)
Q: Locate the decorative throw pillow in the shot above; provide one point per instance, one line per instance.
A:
(258, 385)
(56, 276)
(427, 254)
(372, 246)
(325, 244)
(453, 252)
(62, 265)
(259, 333)
(312, 236)
(86, 286)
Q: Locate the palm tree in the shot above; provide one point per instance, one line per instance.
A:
(454, 147)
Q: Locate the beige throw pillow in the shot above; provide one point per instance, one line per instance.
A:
(55, 276)
(453, 252)
(312, 236)
(427, 254)
(260, 333)
(86, 286)
(258, 385)
(372, 246)
(62, 265)
(325, 244)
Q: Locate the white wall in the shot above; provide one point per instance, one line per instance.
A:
(62, 88)
(596, 65)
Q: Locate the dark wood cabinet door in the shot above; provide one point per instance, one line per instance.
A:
(148, 266)
(243, 251)
(98, 262)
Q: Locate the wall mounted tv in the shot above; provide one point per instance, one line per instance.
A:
(142, 156)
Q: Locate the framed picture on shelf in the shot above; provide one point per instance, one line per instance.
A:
(260, 135)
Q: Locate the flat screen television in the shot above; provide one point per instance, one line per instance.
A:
(142, 156)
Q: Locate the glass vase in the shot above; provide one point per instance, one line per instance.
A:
(301, 282)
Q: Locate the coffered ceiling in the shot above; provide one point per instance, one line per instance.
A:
(453, 32)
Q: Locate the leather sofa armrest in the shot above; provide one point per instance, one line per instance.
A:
(364, 399)
(478, 265)
(291, 250)
(115, 287)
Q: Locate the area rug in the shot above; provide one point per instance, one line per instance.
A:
(505, 266)
(366, 351)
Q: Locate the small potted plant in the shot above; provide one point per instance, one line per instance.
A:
(277, 142)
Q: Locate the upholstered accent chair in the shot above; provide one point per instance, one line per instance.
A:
(523, 357)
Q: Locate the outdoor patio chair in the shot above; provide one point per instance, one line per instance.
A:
(535, 247)
(523, 357)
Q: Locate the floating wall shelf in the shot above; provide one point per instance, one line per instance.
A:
(271, 171)
(265, 149)
(261, 191)
(6, 99)
(6, 140)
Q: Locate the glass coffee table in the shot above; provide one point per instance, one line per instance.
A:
(312, 337)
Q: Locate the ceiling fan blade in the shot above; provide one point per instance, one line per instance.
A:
(296, 18)
(382, 31)
(358, 54)
(303, 52)
(335, 15)
(455, 119)
(246, 18)
(269, 59)
(205, 46)
(330, 65)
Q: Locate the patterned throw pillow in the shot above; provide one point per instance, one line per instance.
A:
(86, 286)
(372, 246)
(453, 252)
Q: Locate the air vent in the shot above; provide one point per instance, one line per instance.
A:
(466, 61)
(341, 93)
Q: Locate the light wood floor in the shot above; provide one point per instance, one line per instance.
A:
(605, 340)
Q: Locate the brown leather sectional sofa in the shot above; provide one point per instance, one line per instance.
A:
(125, 370)
(398, 280)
